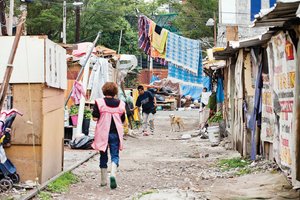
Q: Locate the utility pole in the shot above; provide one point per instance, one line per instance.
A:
(11, 17)
(215, 30)
(77, 30)
(64, 35)
(2, 18)
(150, 69)
(120, 41)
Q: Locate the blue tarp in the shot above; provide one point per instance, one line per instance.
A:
(153, 79)
(193, 90)
(184, 75)
(220, 91)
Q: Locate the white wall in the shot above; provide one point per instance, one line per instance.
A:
(33, 61)
(227, 11)
(237, 12)
(29, 60)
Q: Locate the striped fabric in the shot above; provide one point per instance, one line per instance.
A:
(144, 39)
(184, 75)
(184, 52)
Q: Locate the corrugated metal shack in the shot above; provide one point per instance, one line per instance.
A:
(264, 87)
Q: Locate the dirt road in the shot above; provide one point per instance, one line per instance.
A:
(162, 166)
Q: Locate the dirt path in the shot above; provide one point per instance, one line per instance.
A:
(163, 167)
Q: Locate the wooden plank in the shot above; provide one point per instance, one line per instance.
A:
(266, 150)
(53, 99)
(248, 76)
(27, 160)
(68, 91)
(232, 33)
(52, 140)
(22, 127)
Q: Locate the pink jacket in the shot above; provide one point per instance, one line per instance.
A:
(103, 124)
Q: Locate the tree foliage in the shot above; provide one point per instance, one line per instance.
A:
(107, 16)
(192, 17)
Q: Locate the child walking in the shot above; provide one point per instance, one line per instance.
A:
(109, 113)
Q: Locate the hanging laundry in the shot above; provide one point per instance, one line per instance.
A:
(144, 40)
(257, 111)
(144, 24)
(158, 38)
(77, 91)
(220, 91)
(98, 77)
(183, 52)
(184, 75)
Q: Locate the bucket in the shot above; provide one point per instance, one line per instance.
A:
(74, 119)
(213, 134)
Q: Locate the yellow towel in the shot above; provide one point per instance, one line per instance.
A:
(135, 94)
(159, 41)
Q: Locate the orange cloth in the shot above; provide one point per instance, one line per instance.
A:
(158, 41)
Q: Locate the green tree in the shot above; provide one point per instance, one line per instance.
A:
(107, 16)
(192, 17)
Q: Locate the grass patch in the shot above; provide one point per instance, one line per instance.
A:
(227, 164)
(243, 171)
(144, 193)
(44, 195)
(9, 198)
(62, 183)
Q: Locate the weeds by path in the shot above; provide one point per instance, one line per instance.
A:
(60, 185)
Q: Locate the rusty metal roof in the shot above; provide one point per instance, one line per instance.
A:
(282, 12)
(234, 46)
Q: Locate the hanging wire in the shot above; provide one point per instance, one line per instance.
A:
(31, 114)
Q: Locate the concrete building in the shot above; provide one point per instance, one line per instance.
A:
(240, 14)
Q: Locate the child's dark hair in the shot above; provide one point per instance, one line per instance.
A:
(140, 87)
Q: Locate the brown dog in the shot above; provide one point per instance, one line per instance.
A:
(176, 120)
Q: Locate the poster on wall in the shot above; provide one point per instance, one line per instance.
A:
(283, 85)
(267, 124)
(276, 106)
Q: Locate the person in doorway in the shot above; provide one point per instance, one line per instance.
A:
(205, 97)
(147, 101)
(204, 110)
(109, 113)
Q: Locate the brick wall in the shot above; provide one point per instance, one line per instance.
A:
(144, 76)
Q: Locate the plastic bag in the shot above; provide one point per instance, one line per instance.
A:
(84, 142)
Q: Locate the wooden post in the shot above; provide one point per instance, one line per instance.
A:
(9, 68)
